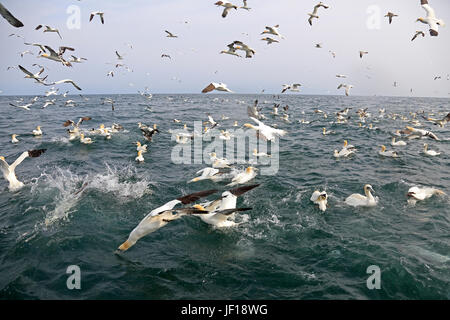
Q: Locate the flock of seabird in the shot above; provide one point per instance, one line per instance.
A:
(220, 212)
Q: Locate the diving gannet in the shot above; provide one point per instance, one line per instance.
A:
(357, 200)
(320, 198)
(9, 170)
(431, 153)
(161, 216)
(431, 19)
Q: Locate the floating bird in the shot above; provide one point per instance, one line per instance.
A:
(397, 143)
(227, 5)
(85, 140)
(49, 29)
(314, 13)
(362, 53)
(219, 163)
(170, 35)
(387, 153)
(140, 157)
(216, 86)
(390, 15)
(264, 131)
(347, 88)
(97, 13)
(420, 194)
(220, 211)
(37, 131)
(161, 216)
(357, 200)
(431, 153)
(320, 198)
(291, 87)
(417, 34)
(269, 40)
(9, 170)
(9, 17)
(148, 133)
(273, 30)
(141, 147)
(14, 138)
(325, 132)
(243, 177)
(431, 19)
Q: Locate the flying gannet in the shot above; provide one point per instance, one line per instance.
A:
(431, 19)
(390, 15)
(141, 147)
(35, 76)
(245, 5)
(58, 57)
(320, 198)
(347, 88)
(419, 133)
(97, 13)
(272, 30)
(208, 173)
(249, 52)
(9, 170)
(264, 131)
(216, 86)
(269, 40)
(49, 29)
(161, 216)
(25, 106)
(291, 87)
(231, 50)
(170, 34)
(417, 34)
(362, 53)
(314, 13)
(357, 200)
(227, 5)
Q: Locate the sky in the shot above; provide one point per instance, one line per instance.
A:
(135, 28)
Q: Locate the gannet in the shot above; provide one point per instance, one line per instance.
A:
(77, 60)
(320, 198)
(85, 140)
(25, 106)
(249, 52)
(314, 13)
(141, 147)
(65, 81)
(243, 177)
(347, 88)
(440, 122)
(25, 52)
(397, 143)
(419, 194)
(217, 216)
(431, 19)
(245, 6)
(362, 53)
(273, 30)
(291, 87)
(37, 131)
(216, 86)
(140, 157)
(388, 153)
(390, 15)
(227, 5)
(9, 17)
(325, 132)
(51, 92)
(318, 45)
(97, 13)
(269, 40)
(9, 170)
(165, 56)
(47, 103)
(219, 162)
(231, 50)
(224, 135)
(161, 216)
(429, 152)
(148, 133)
(49, 29)
(343, 153)
(418, 133)
(58, 57)
(30, 75)
(264, 131)
(119, 57)
(14, 138)
(207, 174)
(260, 154)
(341, 76)
(170, 34)
(357, 200)
(417, 34)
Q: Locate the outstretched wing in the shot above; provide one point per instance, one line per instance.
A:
(25, 71)
(209, 88)
(239, 191)
(24, 155)
(195, 196)
(9, 17)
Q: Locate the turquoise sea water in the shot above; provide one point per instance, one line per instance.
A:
(285, 249)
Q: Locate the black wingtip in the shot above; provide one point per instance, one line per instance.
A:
(240, 191)
(36, 153)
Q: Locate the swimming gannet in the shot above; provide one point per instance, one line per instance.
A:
(140, 157)
(161, 216)
(260, 154)
(9, 170)
(216, 86)
(97, 13)
(314, 13)
(320, 198)
(148, 133)
(429, 152)
(388, 153)
(37, 131)
(264, 131)
(346, 150)
(397, 143)
(85, 140)
(325, 132)
(14, 138)
(227, 5)
(419, 194)
(356, 199)
(243, 177)
(431, 19)
(219, 162)
(227, 201)
(141, 147)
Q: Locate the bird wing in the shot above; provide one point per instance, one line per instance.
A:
(26, 71)
(67, 81)
(91, 16)
(429, 10)
(9, 17)
(209, 88)
(102, 19)
(52, 52)
(225, 12)
(19, 160)
(195, 196)
(239, 191)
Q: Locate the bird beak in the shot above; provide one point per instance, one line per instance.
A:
(410, 194)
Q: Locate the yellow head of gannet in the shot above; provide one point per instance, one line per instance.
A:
(383, 148)
(360, 124)
(213, 155)
(185, 126)
(249, 125)
(2, 158)
(138, 144)
(102, 126)
(345, 143)
(249, 169)
(324, 131)
(154, 126)
(199, 207)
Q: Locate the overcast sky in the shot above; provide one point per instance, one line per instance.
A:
(347, 27)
